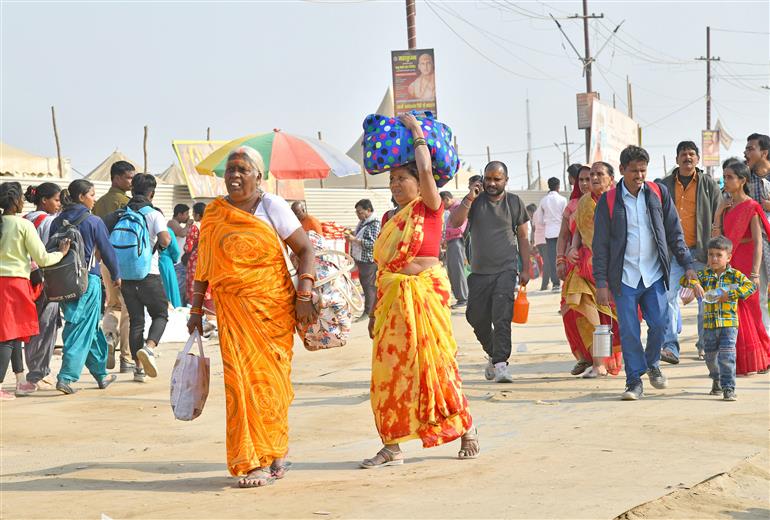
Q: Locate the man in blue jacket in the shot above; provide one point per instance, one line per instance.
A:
(634, 227)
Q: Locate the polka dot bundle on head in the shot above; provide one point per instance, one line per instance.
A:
(389, 144)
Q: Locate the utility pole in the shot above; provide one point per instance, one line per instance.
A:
(58, 147)
(708, 59)
(411, 24)
(489, 155)
(587, 67)
(586, 59)
(145, 149)
(529, 148)
(566, 143)
(565, 153)
(539, 176)
(629, 98)
(665, 167)
(457, 177)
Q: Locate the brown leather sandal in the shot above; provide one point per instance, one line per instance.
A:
(384, 457)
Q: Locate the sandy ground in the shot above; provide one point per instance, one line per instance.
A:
(553, 446)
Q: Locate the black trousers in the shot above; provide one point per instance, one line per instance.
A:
(489, 312)
(141, 294)
(367, 275)
(549, 264)
(10, 352)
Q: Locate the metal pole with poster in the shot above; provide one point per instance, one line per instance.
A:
(710, 149)
(414, 81)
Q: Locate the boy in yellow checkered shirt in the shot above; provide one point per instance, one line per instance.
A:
(722, 286)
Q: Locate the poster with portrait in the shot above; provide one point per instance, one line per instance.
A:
(414, 80)
(710, 147)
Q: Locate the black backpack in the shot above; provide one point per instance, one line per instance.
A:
(67, 280)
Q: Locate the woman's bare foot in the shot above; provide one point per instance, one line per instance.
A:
(258, 477)
(469, 445)
(595, 371)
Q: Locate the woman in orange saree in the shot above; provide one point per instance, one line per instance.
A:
(563, 268)
(241, 259)
(743, 222)
(416, 389)
(580, 286)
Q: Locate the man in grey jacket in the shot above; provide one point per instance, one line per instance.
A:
(696, 197)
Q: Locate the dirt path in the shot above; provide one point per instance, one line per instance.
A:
(553, 446)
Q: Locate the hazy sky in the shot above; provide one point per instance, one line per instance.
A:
(242, 67)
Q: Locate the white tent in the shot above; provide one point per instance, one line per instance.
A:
(173, 175)
(356, 153)
(102, 172)
(18, 163)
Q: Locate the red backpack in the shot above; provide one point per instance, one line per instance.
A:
(611, 195)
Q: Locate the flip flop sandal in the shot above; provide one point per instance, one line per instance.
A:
(278, 471)
(384, 457)
(250, 481)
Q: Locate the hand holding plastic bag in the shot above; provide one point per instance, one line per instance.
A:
(190, 381)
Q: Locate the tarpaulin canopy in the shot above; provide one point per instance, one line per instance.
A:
(102, 172)
(15, 162)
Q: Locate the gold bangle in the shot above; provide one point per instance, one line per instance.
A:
(196, 310)
(307, 276)
(420, 141)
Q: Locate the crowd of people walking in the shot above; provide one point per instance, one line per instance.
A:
(620, 251)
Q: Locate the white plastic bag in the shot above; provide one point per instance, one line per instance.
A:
(190, 381)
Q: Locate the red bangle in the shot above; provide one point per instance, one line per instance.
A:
(196, 310)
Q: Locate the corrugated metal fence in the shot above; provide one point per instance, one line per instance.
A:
(326, 204)
(338, 205)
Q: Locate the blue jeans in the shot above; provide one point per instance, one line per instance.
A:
(719, 345)
(652, 300)
(181, 278)
(671, 341)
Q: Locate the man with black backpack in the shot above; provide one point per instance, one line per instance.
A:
(497, 224)
(137, 233)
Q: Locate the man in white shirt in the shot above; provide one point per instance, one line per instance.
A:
(552, 208)
(147, 293)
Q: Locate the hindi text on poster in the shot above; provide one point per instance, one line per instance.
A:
(414, 81)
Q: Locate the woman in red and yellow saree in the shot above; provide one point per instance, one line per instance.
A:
(580, 286)
(563, 268)
(240, 258)
(416, 390)
(743, 222)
